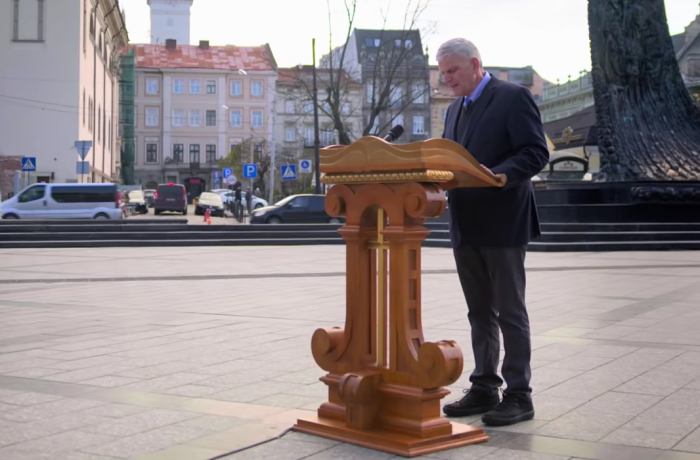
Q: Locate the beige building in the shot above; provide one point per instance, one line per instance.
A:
(441, 96)
(60, 72)
(193, 104)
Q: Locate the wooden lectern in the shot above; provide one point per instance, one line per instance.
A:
(384, 381)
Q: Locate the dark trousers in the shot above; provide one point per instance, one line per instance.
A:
(493, 281)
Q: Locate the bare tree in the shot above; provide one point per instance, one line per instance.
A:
(390, 69)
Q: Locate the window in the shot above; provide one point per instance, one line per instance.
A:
(256, 118)
(195, 86)
(256, 88)
(369, 88)
(289, 106)
(309, 136)
(151, 86)
(346, 108)
(396, 95)
(211, 117)
(236, 88)
(28, 20)
(257, 149)
(194, 117)
(152, 114)
(178, 117)
(418, 125)
(236, 118)
(372, 42)
(398, 120)
(444, 114)
(418, 93)
(290, 134)
(84, 194)
(211, 86)
(211, 153)
(178, 86)
(194, 153)
(136, 116)
(151, 152)
(408, 44)
(179, 153)
(327, 138)
(308, 107)
(32, 194)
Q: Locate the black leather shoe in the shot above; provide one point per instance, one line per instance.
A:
(513, 409)
(474, 402)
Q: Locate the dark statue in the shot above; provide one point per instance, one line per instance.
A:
(648, 125)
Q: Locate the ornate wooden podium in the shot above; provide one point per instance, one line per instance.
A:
(384, 381)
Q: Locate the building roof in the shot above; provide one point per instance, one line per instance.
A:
(582, 130)
(295, 74)
(389, 34)
(157, 56)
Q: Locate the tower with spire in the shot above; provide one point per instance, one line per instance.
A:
(170, 19)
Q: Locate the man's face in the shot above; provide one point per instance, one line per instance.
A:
(460, 73)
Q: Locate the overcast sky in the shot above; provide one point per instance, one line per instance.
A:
(550, 35)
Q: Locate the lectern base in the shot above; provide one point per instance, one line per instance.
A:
(391, 442)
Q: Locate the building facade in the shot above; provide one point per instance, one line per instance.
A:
(194, 104)
(401, 99)
(565, 99)
(295, 111)
(59, 83)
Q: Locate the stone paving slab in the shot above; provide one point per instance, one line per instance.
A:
(196, 353)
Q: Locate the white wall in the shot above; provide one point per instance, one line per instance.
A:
(39, 87)
(170, 19)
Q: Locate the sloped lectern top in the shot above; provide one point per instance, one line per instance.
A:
(372, 159)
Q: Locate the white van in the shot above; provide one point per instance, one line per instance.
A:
(64, 201)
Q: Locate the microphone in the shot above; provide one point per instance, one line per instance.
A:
(394, 133)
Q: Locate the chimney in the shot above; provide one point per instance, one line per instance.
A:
(170, 44)
(204, 44)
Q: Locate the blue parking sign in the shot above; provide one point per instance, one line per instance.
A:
(250, 171)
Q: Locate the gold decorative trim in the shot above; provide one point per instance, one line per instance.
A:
(429, 175)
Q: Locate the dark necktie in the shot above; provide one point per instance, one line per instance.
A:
(465, 115)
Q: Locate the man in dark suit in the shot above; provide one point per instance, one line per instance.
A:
(499, 124)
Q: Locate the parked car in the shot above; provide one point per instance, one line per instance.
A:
(170, 197)
(64, 201)
(295, 209)
(211, 201)
(137, 201)
(228, 196)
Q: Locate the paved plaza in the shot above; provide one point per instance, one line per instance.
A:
(198, 353)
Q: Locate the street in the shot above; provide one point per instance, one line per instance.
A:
(193, 353)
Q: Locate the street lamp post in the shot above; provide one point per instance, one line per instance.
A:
(317, 159)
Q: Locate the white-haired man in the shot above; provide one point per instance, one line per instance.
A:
(499, 124)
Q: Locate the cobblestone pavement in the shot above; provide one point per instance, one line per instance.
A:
(194, 353)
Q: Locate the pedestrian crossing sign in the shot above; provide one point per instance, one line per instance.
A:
(289, 172)
(28, 164)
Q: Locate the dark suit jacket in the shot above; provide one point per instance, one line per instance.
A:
(505, 134)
